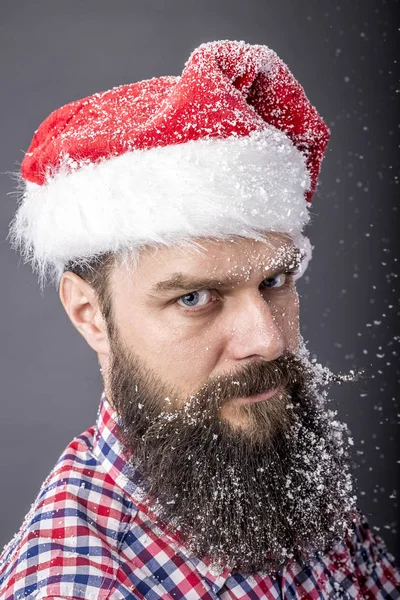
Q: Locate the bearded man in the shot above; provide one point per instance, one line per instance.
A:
(170, 214)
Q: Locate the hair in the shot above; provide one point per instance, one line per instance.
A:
(96, 272)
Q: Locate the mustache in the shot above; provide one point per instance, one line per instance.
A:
(287, 371)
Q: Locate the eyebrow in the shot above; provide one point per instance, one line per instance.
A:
(180, 282)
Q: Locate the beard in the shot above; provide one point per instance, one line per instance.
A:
(251, 497)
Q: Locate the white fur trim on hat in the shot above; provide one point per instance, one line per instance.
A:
(213, 188)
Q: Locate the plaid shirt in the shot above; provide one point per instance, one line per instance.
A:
(89, 535)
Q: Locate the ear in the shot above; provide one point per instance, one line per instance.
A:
(81, 305)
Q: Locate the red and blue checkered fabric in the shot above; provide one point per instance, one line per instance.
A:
(90, 536)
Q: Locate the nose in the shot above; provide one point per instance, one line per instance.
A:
(255, 331)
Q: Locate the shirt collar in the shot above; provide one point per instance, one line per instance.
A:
(109, 451)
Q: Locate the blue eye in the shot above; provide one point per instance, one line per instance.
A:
(194, 299)
(277, 281)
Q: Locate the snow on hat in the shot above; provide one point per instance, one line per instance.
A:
(232, 147)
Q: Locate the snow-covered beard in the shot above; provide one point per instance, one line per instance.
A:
(249, 499)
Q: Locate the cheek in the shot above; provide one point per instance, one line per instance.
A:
(286, 315)
(285, 311)
(182, 352)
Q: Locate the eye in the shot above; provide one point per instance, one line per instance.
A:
(277, 281)
(195, 299)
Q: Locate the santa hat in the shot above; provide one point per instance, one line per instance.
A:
(232, 147)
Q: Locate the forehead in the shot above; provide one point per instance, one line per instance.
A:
(237, 257)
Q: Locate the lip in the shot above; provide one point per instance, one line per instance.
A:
(258, 397)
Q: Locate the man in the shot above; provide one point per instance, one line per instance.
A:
(170, 213)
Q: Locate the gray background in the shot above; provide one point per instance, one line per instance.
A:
(343, 54)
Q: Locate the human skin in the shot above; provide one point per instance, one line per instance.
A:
(252, 317)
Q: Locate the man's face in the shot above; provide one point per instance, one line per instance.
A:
(191, 316)
(219, 414)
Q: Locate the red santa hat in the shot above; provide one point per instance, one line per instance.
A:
(232, 147)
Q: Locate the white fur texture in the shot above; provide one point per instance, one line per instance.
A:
(211, 188)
